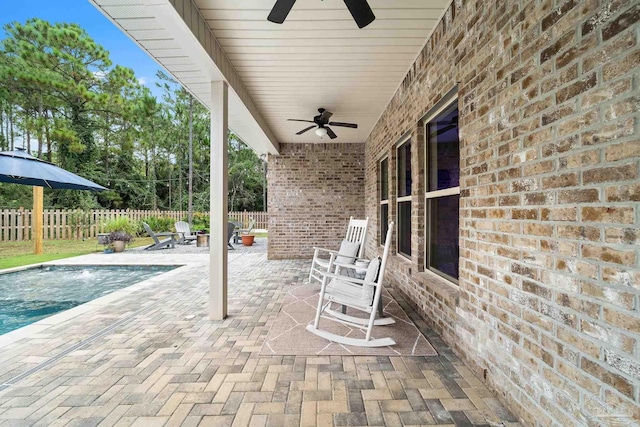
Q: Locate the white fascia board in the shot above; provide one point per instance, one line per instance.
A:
(188, 29)
(192, 33)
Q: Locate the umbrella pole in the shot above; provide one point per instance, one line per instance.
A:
(38, 207)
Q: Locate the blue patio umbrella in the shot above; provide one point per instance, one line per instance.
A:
(19, 167)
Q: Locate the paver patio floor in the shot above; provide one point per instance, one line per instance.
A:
(149, 356)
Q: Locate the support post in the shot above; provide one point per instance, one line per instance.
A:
(38, 211)
(190, 215)
(218, 202)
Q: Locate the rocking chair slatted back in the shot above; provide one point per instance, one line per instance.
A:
(356, 233)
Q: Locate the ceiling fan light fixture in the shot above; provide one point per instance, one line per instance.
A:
(321, 132)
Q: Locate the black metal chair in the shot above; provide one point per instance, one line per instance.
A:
(230, 229)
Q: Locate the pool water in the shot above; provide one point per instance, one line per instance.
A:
(30, 295)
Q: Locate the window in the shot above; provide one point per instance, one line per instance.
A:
(384, 200)
(442, 197)
(404, 197)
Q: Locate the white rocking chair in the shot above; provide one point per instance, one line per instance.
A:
(360, 294)
(356, 233)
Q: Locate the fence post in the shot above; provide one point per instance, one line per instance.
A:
(15, 224)
(21, 224)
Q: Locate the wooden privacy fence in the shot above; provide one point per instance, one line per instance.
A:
(16, 224)
(262, 218)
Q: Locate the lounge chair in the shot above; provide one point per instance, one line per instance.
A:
(238, 232)
(230, 229)
(360, 294)
(157, 243)
(252, 224)
(351, 248)
(186, 236)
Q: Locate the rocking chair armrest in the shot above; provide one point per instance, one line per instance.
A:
(330, 251)
(336, 253)
(349, 279)
(352, 265)
(343, 278)
(343, 265)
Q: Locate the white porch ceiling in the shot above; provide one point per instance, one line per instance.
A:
(317, 58)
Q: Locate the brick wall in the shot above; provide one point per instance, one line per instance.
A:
(547, 306)
(313, 190)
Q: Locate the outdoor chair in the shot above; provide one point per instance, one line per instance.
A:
(157, 243)
(363, 295)
(238, 232)
(230, 231)
(351, 248)
(186, 236)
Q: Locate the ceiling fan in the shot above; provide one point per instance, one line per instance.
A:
(321, 121)
(360, 10)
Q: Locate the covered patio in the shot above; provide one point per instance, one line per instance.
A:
(500, 136)
(149, 356)
(255, 75)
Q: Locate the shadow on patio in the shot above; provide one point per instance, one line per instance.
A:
(152, 357)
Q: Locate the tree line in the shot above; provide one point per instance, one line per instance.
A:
(64, 101)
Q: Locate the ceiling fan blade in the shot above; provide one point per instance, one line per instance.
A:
(331, 133)
(299, 120)
(344, 125)
(325, 116)
(280, 11)
(305, 129)
(361, 12)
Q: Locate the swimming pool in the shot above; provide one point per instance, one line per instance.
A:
(30, 295)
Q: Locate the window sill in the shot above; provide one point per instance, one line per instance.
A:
(448, 291)
(403, 257)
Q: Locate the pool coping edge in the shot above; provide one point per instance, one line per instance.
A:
(28, 331)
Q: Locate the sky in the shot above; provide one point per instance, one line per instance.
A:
(122, 50)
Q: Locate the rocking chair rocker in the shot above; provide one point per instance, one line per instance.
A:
(359, 294)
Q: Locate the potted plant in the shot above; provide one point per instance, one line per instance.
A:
(121, 230)
(119, 239)
(247, 239)
(200, 223)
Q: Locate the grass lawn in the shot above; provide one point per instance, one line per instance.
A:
(15, 254)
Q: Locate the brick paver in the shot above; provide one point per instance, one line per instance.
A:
(153, 358)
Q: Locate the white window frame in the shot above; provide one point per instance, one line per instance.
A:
(404, 140)
(383, 202)
(429, 195)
